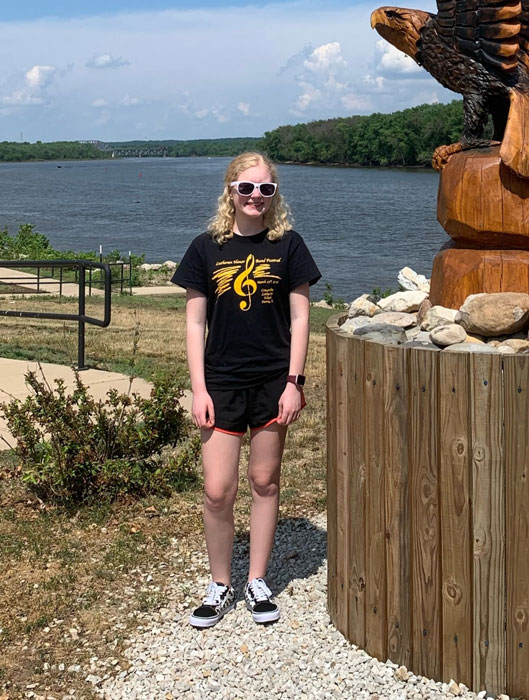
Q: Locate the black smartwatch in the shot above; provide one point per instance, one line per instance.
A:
(297, 379)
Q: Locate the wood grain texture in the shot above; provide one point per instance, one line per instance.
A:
(376, 621)
(516, 377)
(332, 593)
(458, 272)
(456, 545)
(488, 522)
(397, 505)
(514, 147)
(357, 514)
(341, 484)
(424, 503)
(482, 202)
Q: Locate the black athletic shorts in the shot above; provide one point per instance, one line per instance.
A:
(256, 408)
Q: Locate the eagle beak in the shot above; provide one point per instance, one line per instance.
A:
(378, 17)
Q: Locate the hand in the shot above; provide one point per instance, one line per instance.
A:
(289, 404)
(202, 410)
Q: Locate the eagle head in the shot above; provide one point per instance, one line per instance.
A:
(401, 27)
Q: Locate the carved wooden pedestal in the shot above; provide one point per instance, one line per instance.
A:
(458, 272)
(481, 203)
(484, 207)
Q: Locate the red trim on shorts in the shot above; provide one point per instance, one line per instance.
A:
(262, 427)
(228, 432)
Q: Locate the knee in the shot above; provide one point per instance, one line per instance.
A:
(264, 485)
(217, 499)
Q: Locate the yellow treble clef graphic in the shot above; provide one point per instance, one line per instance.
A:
(244, 286)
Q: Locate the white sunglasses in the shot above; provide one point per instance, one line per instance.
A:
(246, 188)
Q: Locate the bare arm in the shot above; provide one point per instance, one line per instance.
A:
(202, 410)
(291, 398)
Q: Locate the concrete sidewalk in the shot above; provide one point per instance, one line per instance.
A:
(69, 289)
(12, 384)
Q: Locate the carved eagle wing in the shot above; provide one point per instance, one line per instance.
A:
(496, 35)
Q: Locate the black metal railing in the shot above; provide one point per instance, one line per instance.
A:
(80, 266)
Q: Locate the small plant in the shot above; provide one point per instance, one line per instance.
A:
(73, 448)
(330, 299)
(378, 294)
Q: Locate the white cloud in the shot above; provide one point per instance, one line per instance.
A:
(39, 76)
(129, 101)
(353, 102)
(30, 90)
(310, 94)
(326, 59)
(106, 60)
(244, 108)
(99, 102)
(202, 113)
(326, 83)
(377, 81)
(391, 60)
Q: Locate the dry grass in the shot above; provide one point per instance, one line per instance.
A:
(73, 584)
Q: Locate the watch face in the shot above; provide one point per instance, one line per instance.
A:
(300, 380)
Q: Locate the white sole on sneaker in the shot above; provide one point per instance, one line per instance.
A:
(203, 622)
(263, 617)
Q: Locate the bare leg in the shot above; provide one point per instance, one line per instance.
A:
(266, 450)
(220, 456)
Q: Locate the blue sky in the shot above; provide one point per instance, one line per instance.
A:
(129, 69)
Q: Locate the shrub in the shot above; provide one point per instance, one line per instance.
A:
(74, 448)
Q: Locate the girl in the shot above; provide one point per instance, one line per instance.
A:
(247, 278)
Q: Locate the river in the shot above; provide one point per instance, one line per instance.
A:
(362, 225)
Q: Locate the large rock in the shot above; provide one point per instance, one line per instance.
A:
(350, 325)
(472, 347)
(448, 335)
(517, 345)
(415, 333)
(494, 314)
(408, 279)
(322, 304)
(396, 318)
(362, 307)
(438, 316)
(427, 345)
(383, 333)
(403, 301)
(423, 310)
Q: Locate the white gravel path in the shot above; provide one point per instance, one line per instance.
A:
(300, 656)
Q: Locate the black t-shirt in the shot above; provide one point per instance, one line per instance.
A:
(247, 282)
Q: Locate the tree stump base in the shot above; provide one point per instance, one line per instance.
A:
(483, 204)
(458, 272)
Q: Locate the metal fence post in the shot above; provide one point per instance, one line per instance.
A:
(82, 308)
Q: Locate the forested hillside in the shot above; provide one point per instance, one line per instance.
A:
(401, 138)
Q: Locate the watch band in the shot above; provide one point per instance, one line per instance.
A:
(297, 379)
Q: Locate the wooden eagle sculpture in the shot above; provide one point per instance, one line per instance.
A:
(479, 48)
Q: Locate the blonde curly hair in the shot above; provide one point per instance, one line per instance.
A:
(277, 219)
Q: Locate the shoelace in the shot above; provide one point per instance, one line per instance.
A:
(213, 594)
(259, 590)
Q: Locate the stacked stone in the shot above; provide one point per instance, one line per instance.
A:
(493, 323)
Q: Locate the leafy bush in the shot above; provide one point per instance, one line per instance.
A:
(73, 448)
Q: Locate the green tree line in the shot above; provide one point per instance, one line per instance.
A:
(197, 147)
(55, 150)
(403, 138)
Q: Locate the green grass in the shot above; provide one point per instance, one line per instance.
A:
(319, 317)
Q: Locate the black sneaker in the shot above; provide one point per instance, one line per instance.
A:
(219, 600)
(258, 601)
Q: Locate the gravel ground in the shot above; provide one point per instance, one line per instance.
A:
(300, 656)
